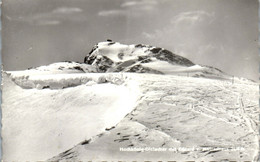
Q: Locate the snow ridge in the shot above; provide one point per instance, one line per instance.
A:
(55, 120)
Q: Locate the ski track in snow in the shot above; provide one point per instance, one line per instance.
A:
(181, 112)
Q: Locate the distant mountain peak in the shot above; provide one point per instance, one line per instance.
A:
(110, 56)
(114, 56)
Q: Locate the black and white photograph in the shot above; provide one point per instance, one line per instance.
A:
(130, 80)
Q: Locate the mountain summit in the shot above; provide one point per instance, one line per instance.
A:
(115, 57)
(112, 56)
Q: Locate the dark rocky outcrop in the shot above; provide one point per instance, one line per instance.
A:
(141, 69)
(170, 57)
(103, 63)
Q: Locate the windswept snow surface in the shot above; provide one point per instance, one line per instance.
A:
(97, 114)
(40, 123)
(218, 119)
(61, 68)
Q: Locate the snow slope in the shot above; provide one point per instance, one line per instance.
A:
(62, 67)
(161, 111)
(40, 123)
(218, 118)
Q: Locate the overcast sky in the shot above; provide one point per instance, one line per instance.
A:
(219, 33)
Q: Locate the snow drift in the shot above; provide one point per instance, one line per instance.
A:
(40, 123)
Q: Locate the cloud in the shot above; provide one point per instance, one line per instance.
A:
(208, 49)
(129, 4)
(54, 17)
(47, 22)
(193, 17)
(139, 3)
(184, 23)
(112, 13)
(66, 10)
(148, 35)
(132, 8)
(39, 20)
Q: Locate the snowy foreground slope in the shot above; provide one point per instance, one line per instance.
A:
(104, 109)
(217, 118)
(38, 124)
(161, 111)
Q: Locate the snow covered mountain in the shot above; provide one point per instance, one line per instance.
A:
(115, 57)
(110, 57)
(128, 102)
